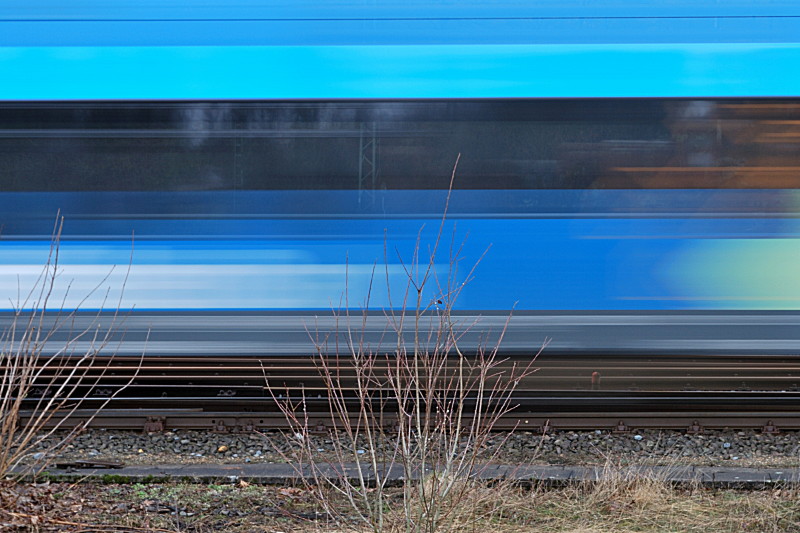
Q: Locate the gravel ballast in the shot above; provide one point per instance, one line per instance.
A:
(711, 448)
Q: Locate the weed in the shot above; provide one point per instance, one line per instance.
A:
(41, 387)
(421, 408)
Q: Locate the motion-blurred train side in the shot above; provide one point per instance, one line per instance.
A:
(632, 169)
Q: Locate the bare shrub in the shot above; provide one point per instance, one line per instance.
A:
(44, 381)
(413, 407)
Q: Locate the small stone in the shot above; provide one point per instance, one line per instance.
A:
(185, 441)
(637, 437)
(140, 450)
(222, 449)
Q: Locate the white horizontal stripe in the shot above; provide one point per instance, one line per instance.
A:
(202, 286)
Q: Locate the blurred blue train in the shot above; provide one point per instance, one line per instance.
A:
(633, 167)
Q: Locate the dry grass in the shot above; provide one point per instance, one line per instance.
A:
(618, 504)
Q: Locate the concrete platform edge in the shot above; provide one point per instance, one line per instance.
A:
(544, 475)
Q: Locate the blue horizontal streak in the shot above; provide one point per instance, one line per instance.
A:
(342, 72)
(398, 31)
(371, 9)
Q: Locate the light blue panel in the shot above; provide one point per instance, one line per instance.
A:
(458, 71)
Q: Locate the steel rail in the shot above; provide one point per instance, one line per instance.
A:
(320, 421)
(575, 392)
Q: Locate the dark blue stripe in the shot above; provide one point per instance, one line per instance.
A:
(371, 9)
(111, 214)
(400, 32)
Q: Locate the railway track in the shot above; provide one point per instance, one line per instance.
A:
(620, 393)
(619, 421)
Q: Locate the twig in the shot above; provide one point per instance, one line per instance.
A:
(428, 390)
